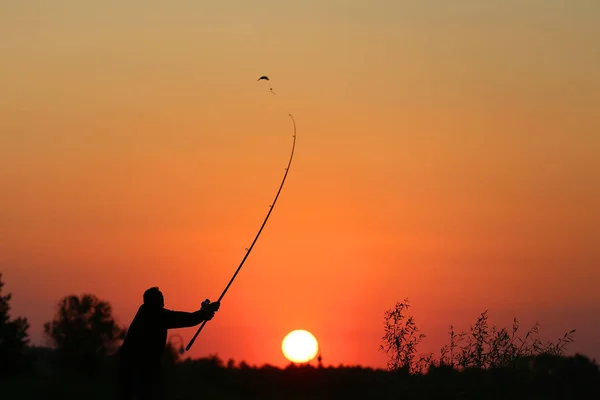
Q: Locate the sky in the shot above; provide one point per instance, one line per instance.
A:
(447, 152)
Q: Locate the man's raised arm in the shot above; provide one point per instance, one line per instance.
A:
(183, 319)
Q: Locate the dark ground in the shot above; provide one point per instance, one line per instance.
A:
(546, 377)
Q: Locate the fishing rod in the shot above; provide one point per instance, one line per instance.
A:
(248, 250)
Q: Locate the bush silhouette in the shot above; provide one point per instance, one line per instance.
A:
(481, 348)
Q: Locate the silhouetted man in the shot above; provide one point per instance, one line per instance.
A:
(144, 344)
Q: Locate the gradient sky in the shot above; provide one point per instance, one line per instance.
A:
(447, 152)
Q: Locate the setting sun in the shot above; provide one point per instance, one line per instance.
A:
(299, 346)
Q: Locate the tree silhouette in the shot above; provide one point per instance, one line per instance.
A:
(83, 331)
(13, 337)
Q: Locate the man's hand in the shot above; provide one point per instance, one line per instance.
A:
(209, 309)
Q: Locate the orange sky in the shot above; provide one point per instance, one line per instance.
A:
(447, 152)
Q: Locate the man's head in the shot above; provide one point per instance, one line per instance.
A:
(154, 298)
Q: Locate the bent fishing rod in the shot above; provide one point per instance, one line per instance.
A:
(248, 250)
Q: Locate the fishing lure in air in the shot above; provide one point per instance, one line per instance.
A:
(266, 78)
